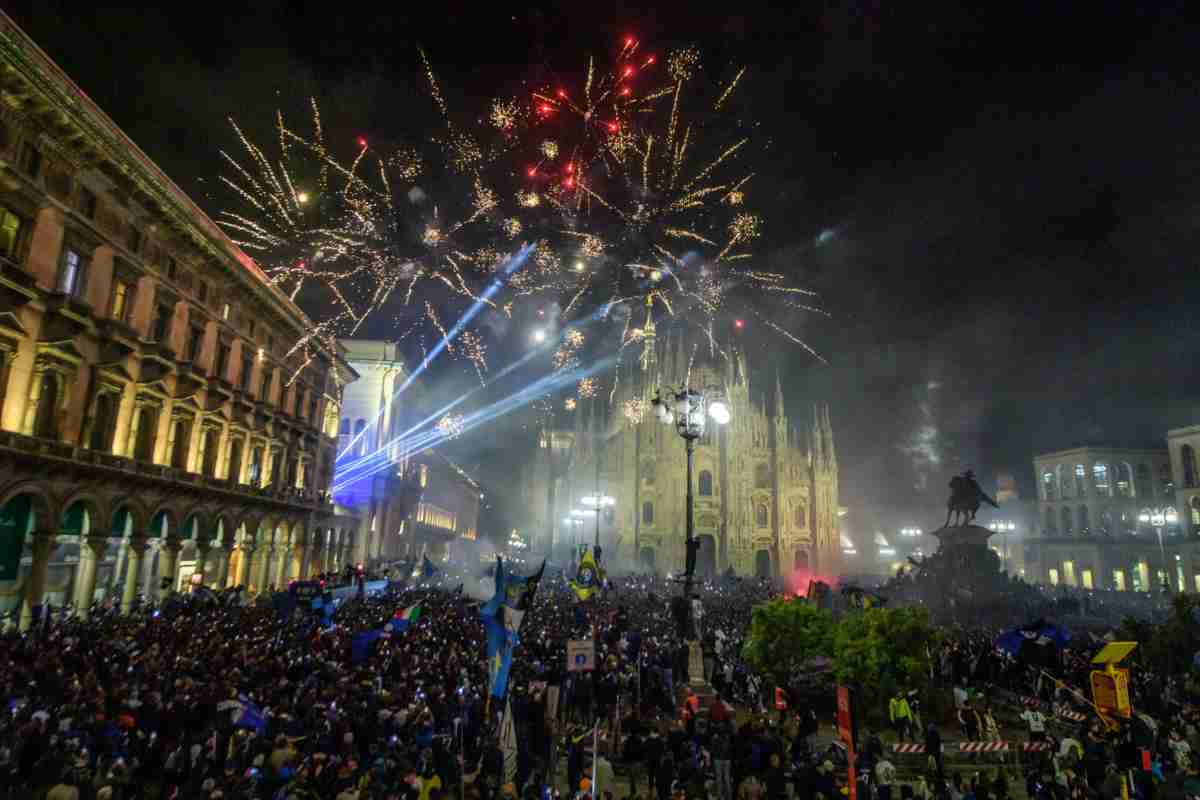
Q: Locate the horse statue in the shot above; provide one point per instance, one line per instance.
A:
(965, 499)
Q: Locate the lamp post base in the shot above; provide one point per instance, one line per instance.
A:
(699, 685)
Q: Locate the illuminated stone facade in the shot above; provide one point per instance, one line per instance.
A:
(411, 504)
(152, 422)
(766, 497)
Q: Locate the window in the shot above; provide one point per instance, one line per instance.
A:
(122, 300)
(225, 311)
(133, 240)
(247, 370)
(256, 464)
(11, 228)
(344, 427)
(1080, 481)
(1069, 572)
(1064, 481)
(103, 417)
(172, 267)
(1106, 522)
(1082, 518)
(706, 483)
(1195, 507)
(1165, 483)
(202, 292)
(72, 273)
(234, 471)
(261, 394)
(1066, 521)
(195, 342)
(1051, 522)
(1124, 480)
(252, 327)
(30, 160)
(1048, 487)
(87, 202)
(801, 514)
(648, 513)
(1144, 486)
(221, 367)
(147, 425)
(1086, 579)
(1100, 479)
(1188, 456)
(1053, 576)
(179, 448)
(1118, 579)
(761, 517)
(161, 324)
(208, 465)
(45, 422)
(270, 343)
(762, 476)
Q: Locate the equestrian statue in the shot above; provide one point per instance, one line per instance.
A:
(965, 498)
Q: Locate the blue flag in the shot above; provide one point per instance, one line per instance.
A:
(428, 570)
(502, 617)
(1036, 642)
(245, 714)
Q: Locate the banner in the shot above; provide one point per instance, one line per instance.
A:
(581, 655)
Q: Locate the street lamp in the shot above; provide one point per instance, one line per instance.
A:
(687, 410)
(1158, 518)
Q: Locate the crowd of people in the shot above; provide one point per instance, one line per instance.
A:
(214, 697)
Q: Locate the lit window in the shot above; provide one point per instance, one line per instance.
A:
(1100, 479)
(10, 233)
(72, 276)
(225, 311)
(121, 294)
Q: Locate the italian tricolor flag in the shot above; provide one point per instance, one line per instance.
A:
(407, 616)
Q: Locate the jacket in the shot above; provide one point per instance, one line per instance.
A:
(898, 709)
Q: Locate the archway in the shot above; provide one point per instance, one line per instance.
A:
(762, 564)
(647, 559)
(706, 556)
(800, 561)
(16, 523)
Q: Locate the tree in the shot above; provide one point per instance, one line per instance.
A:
(785, 635)
(882, 649)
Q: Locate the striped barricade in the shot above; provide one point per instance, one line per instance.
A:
(982, 747)
(1066, 713)
(1035, 747)
(1030, 702)
(908, 748)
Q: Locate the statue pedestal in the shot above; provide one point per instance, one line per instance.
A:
(696, 680)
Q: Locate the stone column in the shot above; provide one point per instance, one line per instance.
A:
(35, 592)
(133, 573)
(264, 567)
(168, 567)
(331, 552)
(223, 557)
(203, 546)
(299, 562)
(90, 554)
(243, 572)
(281, 566)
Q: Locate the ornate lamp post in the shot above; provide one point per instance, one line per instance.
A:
(687, 409)
(1158, 518)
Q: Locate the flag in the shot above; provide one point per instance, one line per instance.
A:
(245, 714)
(405, 617)
(502, 615)
(587, 577)
(428, 570)
(1037, 643)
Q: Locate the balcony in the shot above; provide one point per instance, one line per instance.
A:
(157, 360)
(93, 465)
(17, 287)
(66, 317)
(117, 341)
(188, 380)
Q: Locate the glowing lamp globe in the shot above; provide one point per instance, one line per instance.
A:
(719, 412)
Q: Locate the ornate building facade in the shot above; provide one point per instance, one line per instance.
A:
(411, 504)
(766, 495)
(155, 428)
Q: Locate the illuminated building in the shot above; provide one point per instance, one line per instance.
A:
(1087, 531)
(152, 425)
(410, 504)
(766, 497)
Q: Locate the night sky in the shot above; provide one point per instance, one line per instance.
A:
(999, 207)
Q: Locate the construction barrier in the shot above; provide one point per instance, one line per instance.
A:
(982, 747)
(1055, 709)
(1035, 747)
(908, 748)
